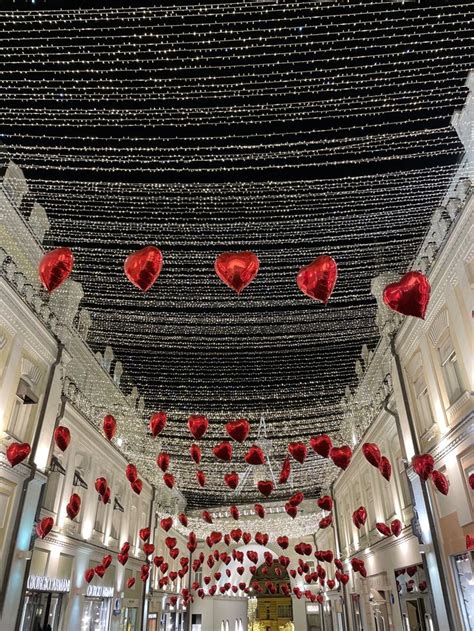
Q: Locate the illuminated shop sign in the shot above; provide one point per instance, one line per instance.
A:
(98, 591)
(47, 584)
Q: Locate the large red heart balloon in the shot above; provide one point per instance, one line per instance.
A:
(299, 451)
(55, 267)
(144, 533)
(238, 430)
(265, 487)
(137, 486)
(122, 558)
(130, 582)
(166, 523)
(255, 456)
(106, 495)
(195, 453)
(236, 534)
(317, 279)
(109, 425)
(423, 465)
(325, 522)
(372, 453)
(125, 547)
(409, 296)
(296, 498)
(252, 556)
(285, 471)
(148, 548)
(170, 542)
(106, 560)
(163, 461)
(198, 425)
(131, 473)
(325, 502)
(72, 510)
(396, 527)
(322, 445)
(383, 529)
(201, 478)
(385, 468)
(292, 511)
(62, 437)
(341, 456)
(471, 481)
(223, 451)
(143, 267)
(440, 481)
(234, 512)
(232, 479)
(206, 515)
(44, 527)
(158, 423)
(100, 486)
(17, 452)
(259, 510)
(237, 269)
(89, 574)
(168, 479)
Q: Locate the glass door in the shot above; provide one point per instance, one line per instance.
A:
(41, 611)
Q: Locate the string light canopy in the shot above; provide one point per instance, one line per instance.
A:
(289, 130)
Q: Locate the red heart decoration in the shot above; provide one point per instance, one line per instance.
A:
(341, 456)
(232, 479)
(238, 430)
(422, 585)
(440, 481)
(99, 570)
(325, 522)
(215, 536)
(339, 564)
(89, 574)
(137, 486)
(106, 560)
(240, 570)
(164, 566)
(212, 590)
(55, 267)
(255, 456)
(299, 451)
(396, 527)
(206, 515)
(331, 583)
(17, 452)
(423, 465)
(296, 499)
(109, 425)
(144, 534)
(158, 423)
(259, 510)
(409, 296)
(317, 279)
(168, 479)
(471, 481)
(223, 451)
(125, 547)
(198, 425)
(75, 500)
(385, 468)
(163, 461)
(130, 582)
(372, 453)
(72, 510)
(237, 269)
(285, 471)
(234, 512)
(106, 496)
(291, 510)
(148, 548)
(383, 529)
(236, 534)
(158, 560)
(322, 445)
(359, 517)
(195, 453)
(131, 473)
(252, 556)
(62, 437)
(283, 543)
(325, 502)
(44, 527)
(122, 558)
(143, 267)
(261, 538)
(170, 542)
(246, 537)
(344, 578)
(201, 478)
(469, 542)
(265, 487)
(166, 523)
(100, 486)
(412, 570)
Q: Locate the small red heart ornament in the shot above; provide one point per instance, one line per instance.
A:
(100, 486)
(246, 536)
(17, 452)
(440, 481)
(409, 296)
(296, 498)
(265, 487)
(255, 456)
(109, 426)
(137, 486)
(206, 515)
(201, 478)
(232, 479)
(158, 423)
(238, 430)
(237, 269)
(107, 560)
(106, 495)
(396, 527)
(143, 267)
(372, 453)
(198, 425)
(223, 451)
(170, 542)
(131, 473)
(62, 437)
(130, 582)
(44, 527)
(122, 558)
(292, 511)
(234, 512)
(168, 479)
(148, 548)
(383, 529)
(89, 574)
(299, 451)
(322, 445)
(325, 502)
(163, 461)
(195, 453)
(259, 510)
(55, 267)
(144, 533)
(166, 523)
(469, 542)
(317, 279)
(341, 456)
(285, 471)
(385, 468)
(325, 522)
(423, 465)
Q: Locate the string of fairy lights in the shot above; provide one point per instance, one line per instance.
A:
(290, 130)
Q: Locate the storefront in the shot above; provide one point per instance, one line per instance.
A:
(97, 608)
(129, 614)
(43, 602)
(464, 575)
(414, 598)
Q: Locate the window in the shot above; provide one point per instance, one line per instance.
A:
(101, 512)
(116, 519)
(55, 479)
(369, 501)
(425, 413)
(198, 576)
(132, 527)
(284, 611)
(18, 423)
(450, 369)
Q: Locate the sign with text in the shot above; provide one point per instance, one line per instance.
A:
(99, 591)
(47, 584)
